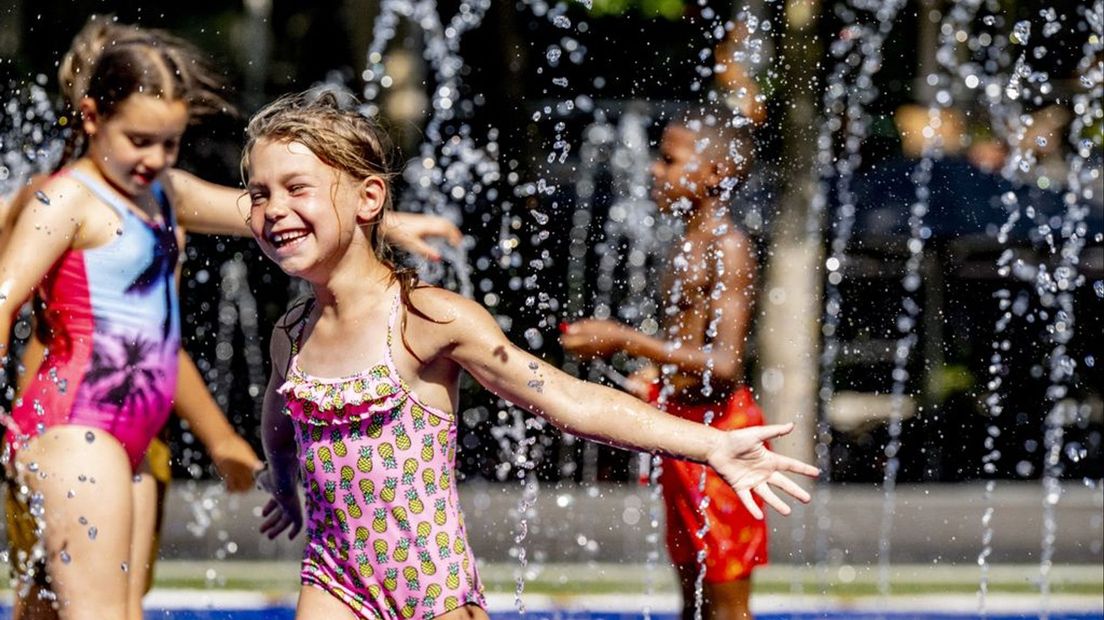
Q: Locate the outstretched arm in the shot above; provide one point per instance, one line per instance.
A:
(472, 338)
(233, 457)
(212, 209)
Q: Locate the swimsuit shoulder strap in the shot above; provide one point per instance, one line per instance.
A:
(295, 328)
(395, 312)
(100, 191)
(162, 197)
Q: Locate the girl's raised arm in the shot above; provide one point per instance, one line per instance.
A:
(472, 338)
(208, 208)
(212, 209)
(46, 227)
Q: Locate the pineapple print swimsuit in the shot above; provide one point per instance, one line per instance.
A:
(385, 533)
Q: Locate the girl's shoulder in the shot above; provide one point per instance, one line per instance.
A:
(54, 197)
(433, 304)
(60, 188)
(442, 318)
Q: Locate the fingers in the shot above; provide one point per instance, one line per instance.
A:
(279, 520)
(763, 490)
(786, 463)
(770, 431)
(790, 487)
(422, 248)
(451, 233)
(749, 503)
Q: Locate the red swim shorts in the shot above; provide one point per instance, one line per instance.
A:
(736, 541)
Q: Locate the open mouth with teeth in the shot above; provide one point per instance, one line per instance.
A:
(287, 239)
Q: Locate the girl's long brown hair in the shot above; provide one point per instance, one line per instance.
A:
(330, 125)
(109, 61)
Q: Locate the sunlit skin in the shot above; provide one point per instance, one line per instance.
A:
(294, 198)
(136, 144)
(312, 221)
(682, 186)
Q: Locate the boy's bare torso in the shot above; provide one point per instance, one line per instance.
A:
(691, 306)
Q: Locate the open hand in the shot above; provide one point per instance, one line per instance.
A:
(236, 463)
(744, 461)
(594, 338)
(412, 231)
(281, 512)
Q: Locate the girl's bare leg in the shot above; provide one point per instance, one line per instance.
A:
(467, 612)
(317, 604)
(84, 478)
(144, 493)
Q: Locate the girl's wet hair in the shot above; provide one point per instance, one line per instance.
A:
(330, 124)
(109, 61)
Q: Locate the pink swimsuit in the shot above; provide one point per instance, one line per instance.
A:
(110, 321)
(385, 533)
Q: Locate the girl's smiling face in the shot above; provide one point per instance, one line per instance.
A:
(303, 212)
(138, 142)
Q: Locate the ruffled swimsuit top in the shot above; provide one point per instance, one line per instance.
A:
(385, 529)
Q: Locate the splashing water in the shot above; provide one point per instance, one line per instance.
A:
(860, 45)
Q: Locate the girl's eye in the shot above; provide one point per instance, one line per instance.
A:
(256, 200)
(140, 142)
(295, 189)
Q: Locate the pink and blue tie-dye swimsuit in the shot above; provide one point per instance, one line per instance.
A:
(385, 533)
(110, 321)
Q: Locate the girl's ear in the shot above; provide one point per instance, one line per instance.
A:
(90, 116)
(371, 196)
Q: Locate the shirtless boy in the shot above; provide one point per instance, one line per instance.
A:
(708, 293)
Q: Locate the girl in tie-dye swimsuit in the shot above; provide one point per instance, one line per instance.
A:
(375, 446)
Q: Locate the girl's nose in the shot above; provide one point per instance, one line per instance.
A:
(157, 158)
(275, 209)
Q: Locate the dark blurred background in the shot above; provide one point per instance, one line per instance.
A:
(646, 55)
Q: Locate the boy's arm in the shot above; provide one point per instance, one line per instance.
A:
(233, 457)
(729, 316)
(472, 338)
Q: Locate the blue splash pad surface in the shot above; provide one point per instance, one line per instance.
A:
(284, 613)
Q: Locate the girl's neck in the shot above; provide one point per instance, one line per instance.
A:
(359, 281)
(87, 164)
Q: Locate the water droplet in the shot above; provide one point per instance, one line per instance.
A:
(90, 437)
(42, 197)
(92, 532)
(65, 558)
(125, 567)
(1021, 33)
